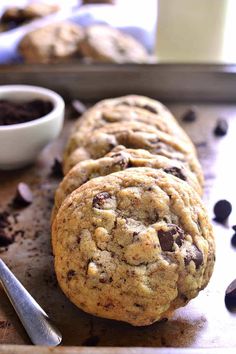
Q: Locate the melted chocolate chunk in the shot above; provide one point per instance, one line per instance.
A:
(100, 199)
(167, 238)
(195, 255)
(222, 210)
(70, 274)
(23, 196)
(221, 127)
(175, 171)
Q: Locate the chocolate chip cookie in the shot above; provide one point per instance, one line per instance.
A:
(131, 108)
(117, 160)
(51, 43)
(109, 45)
(131, 135)
(15, 16)
(133, 246)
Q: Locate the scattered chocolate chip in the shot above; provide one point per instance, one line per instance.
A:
(57, 168)
(195, 255)
(230, 296)
(5, 239)
(222, 210)
(233, 240)
(70, 274)
(100, 199)
(168, 237)
(78, 106)
(176, 171)
(91, 341)
(221, 127)
(234, 227)
(23, 196)
(190, 115)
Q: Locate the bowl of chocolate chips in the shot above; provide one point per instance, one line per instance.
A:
(30, 118)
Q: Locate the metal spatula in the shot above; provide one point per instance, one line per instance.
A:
(35, 321)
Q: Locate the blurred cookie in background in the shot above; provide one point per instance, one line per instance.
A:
(109, 45)
(16, 16)
(51, 43)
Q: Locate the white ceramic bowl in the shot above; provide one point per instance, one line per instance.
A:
(21, 143)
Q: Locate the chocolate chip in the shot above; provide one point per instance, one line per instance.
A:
(70, 274)
(5, 239)
(221, 127)
(23, 196)
(230, 296)
(57, 168)
(78, 106)
(167, 238)
(234, 227)
(100, 199)
(233, 240)
(190, 115)
(195, 255)
(222, 210)
(91, 341)
(149, 108)
(176, 171)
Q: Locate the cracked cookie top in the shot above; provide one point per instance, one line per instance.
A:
(133, 245)
(117, 160)
(133, 135)
(131, 108)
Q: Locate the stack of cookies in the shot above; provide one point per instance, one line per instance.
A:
(131, 237)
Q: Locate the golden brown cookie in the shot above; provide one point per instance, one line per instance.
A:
(18, 16)
(117, 160)
(133, 246)
(131, 108)
(131, 135)
(51, 43)
(109, 45)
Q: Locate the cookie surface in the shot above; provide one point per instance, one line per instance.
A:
(133, 246)
(109, 45)
(118, 160)
(51, 43)
(131, 135)
(131, 108)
